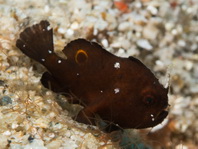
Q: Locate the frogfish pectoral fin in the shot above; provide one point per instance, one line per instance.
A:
(50, 82)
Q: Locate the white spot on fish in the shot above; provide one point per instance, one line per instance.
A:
(101, 91)
(43, 29)
(43, 59)
(77, 74)
(153, 119)
(116, 90)
(24, 45)
(117, 65)
(59, 61)
(50, 51)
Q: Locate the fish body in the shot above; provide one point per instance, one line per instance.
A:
(121, 91)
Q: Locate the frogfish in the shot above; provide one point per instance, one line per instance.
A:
(120, 91)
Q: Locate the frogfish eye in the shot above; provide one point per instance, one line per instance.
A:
(149, 100)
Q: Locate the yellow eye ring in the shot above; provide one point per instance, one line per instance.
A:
(81, 56)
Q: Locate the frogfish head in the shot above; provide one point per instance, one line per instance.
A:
(150, 106)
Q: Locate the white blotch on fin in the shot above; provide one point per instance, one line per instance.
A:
(101, 91)
(117, 65)
(24, 45)
(77, 74)
(50, 51)
(59, 61)
(116, 90)
(43, 59)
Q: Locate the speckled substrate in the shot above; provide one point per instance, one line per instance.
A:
(163, 34)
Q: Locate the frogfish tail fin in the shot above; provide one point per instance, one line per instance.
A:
(37, 41)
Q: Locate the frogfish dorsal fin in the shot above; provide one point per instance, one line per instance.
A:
(37, 41)
(80, 50)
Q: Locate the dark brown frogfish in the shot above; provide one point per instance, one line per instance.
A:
(121, 91)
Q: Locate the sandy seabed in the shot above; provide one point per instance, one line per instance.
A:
(163, 34)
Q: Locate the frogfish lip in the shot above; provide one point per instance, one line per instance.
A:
(162, 115)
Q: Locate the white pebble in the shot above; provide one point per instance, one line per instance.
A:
(7, 133)
(181, 146)
(138, 4)
(14, 125)
(174, 32)
(68, 134)
(116, 45)
(121, 51)
(102, 143)
(124, 26)
(144, 44)
(51, 135)
(194, 47)
(159, 63)
(181, 43)
(126, 44)
(75, 26)
(169, 26)
(46, 8)
(188, 65)
(150, 32)
(61, 31)
(152, 9)
(138, 34)
(70, 32)
(95, 31)
(48, 28)
(52, 114)
(105, 43)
